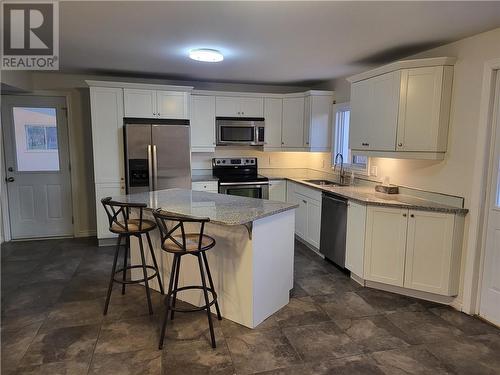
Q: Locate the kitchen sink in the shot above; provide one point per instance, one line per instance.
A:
(323, 182)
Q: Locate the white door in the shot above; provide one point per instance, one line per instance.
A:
(429, 252)
(37, 166)
(252, 107)
(202, 123)
(139, 103)
(172, 104)
(273, 113)
(227, 106)
(385, 244)
(490, 289)
(293, 122)
(313, 222)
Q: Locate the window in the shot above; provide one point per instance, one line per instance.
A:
(341, 118)
(36, 142)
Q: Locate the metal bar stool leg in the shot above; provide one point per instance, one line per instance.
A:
(112, 277)
(145, 273)
(125, 261)
(167, 302)
(176, 285)
(211, 283)
(205, 293)
(155, 263)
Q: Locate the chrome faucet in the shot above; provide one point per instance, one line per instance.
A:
(341, 166)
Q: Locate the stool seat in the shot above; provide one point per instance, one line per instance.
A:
(133, 226)
(192, 243)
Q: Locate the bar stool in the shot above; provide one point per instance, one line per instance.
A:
(181, 244)
(120, 223)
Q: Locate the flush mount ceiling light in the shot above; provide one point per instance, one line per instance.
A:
(206, 55)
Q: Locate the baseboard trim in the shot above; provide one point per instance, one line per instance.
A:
(106, 242)
(86, 233)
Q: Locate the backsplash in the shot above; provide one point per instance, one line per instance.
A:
(314, 160)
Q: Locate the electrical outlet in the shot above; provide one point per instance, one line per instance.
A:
(373, 171)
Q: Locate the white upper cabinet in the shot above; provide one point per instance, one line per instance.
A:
(239, 106)
(156, 104)
(402, 110)
(202, 123)
(106, 105)
(424, 109)
(318, 122)
(374, 113)
(139, 103)
(172, 104)
(273, 115)
(293, 123)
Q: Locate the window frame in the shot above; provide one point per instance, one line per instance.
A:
(348, 162)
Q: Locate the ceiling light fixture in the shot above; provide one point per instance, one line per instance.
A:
(206, 55)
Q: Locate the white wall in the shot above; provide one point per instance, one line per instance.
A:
(454, 175)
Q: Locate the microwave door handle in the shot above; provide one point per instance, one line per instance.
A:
(150, 168)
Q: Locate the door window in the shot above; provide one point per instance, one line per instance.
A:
(36, 140)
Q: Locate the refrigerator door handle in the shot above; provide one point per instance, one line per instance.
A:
(155, 169)
(150, 168)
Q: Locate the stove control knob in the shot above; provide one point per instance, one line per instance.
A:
(217, 162)
(223, 162)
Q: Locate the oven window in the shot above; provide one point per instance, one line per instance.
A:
(245, 192)
(237, 134)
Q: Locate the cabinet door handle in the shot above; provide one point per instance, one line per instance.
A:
(282, 143)
(365, 144)
(412, 215)
(400, 144)
(404, 215)
(303, 201)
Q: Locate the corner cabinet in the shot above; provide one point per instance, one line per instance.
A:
(292, 133)
(277, 190)
(418, 250)
(402, 110)
(156, 104)
(318, 122)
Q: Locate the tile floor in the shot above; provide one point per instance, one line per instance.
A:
(52, 323)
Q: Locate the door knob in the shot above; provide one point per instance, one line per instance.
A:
(10, 179)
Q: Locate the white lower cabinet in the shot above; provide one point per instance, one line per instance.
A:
(432, 262)
(103, 191)
(308, 214)
(355, 239)
(385, 244)
(417, 250)
(208, 186)
(277, 190)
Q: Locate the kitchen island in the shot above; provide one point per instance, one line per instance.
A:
(252, 262)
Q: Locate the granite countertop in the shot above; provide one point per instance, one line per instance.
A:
(367, 195)
(220, 208)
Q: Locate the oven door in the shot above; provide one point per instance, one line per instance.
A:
(258, 190)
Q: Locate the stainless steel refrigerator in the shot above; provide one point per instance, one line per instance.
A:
(157, 155)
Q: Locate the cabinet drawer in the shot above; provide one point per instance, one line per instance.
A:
(308, 192)
(210, 186)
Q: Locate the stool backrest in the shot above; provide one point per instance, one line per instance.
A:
(119, 212)
(177, 223)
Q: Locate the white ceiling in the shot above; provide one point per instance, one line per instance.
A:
(299, 42)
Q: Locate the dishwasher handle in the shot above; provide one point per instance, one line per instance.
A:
(335, 199)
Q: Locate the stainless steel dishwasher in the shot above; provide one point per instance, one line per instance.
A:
(333, 228)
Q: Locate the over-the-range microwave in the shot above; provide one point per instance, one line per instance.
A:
(240, 131)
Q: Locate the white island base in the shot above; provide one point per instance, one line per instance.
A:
(251, 266)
